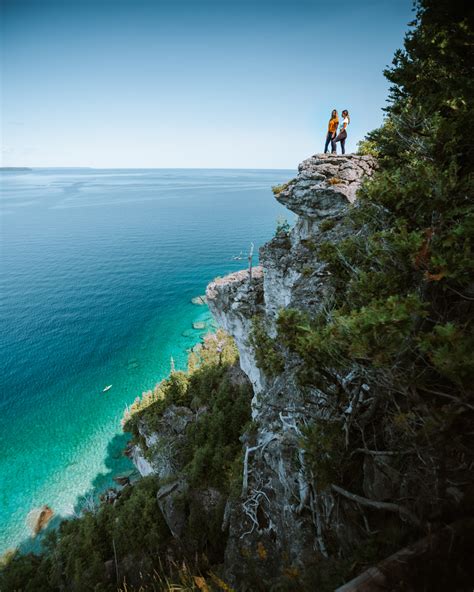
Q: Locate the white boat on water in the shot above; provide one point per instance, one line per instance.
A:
(107, 388)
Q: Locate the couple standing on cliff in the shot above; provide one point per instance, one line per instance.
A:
(332, 135)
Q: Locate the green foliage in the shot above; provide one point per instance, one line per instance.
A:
(326, 453)
(327, 224)
(268, 356)
(218, 352)
(367, 148)
(24, 572)
(449, 348)
(213, 444)
(368, 267)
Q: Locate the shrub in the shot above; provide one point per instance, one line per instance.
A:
(367, 148)
(279, 188)
(327, 224)
(268, 356)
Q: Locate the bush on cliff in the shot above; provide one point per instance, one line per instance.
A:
(212, 447)
(268, 356)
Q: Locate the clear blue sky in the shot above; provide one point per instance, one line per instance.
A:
(190, 83)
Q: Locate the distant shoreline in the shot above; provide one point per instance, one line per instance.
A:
(8, 169)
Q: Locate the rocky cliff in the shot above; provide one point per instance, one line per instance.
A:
(282, 522)
(317, 446)
(326, 478)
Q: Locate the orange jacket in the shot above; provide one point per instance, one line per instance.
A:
(333, 123)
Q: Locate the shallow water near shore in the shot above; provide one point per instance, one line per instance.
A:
(98, 269)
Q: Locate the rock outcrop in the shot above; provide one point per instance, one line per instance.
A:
(281, 523)
(39, 518)
(234, 301)
(325, 185)
(161, 442)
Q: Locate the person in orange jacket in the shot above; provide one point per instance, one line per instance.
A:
(332, 129)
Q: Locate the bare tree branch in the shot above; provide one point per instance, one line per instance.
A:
(388, 506)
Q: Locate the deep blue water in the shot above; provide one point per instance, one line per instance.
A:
(98, 268)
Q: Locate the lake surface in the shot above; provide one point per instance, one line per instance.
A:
(98, 268)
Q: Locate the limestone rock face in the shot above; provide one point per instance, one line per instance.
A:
(136, 455)
(325, 184)
(281, 523)
(233, 301)
(169, 499)
(162, 442)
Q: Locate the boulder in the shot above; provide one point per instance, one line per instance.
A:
(171, 500)
(39, 518)
(199, 300)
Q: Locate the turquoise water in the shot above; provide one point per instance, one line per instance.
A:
(98, 268)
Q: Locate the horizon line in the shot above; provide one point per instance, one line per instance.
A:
(23, 167)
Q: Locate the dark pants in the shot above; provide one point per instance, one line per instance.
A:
(341, 137)
(328, 141)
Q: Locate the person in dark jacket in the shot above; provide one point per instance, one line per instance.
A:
(342, 135)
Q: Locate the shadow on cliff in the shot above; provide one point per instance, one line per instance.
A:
(116, 463)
